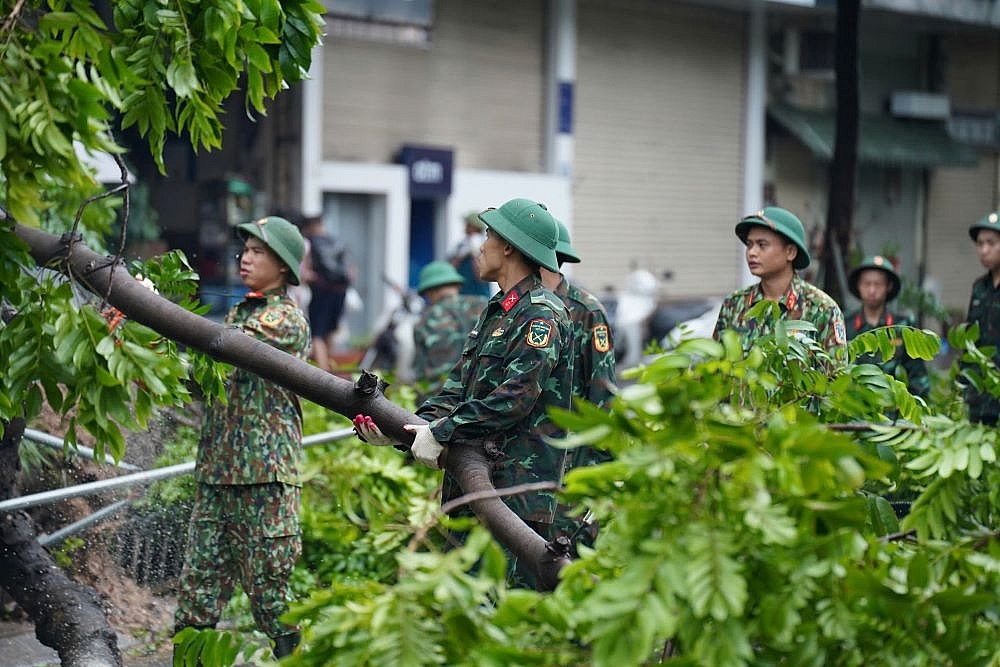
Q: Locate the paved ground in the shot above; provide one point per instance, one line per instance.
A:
(20, 648)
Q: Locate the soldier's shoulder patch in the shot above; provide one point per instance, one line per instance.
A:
(839, 332)
(539, 332)
(272, 318)
(601, 338)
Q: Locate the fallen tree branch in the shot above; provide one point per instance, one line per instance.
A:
(505, 492)
(468, 465)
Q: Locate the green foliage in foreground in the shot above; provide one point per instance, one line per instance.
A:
(76, 73)
(744, 520)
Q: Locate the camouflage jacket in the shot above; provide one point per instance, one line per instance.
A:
(594, 361)
(984, 309)
(440, 335)
(516, 363)
(916, 369)
(256, 435)
(802, 301)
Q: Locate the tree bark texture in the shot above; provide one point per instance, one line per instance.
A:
(468, 464)
(68, 616)
(840, 206)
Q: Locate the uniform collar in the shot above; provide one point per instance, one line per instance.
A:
(788, 301)
(269, 295)
(514, 294)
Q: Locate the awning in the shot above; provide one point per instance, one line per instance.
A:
(883, 140)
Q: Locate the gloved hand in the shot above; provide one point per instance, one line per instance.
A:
(368, 432)
(425, 448)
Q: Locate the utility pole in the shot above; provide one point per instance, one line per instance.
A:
(843, 168)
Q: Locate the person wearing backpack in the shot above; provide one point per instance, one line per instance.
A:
(328, 277)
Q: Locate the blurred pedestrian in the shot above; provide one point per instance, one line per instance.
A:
(875, 283)
(517, 363)
(245, 522)
(463, 256)
(444, 325)
(329, 276)
(984, 310)
(775, 249)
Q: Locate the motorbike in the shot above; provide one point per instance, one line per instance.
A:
(641, 313)
(392, 347)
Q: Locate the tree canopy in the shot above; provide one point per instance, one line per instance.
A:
(78, 73)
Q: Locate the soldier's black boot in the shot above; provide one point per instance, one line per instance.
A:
(285, 644)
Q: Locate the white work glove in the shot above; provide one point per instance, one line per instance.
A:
(425, 448)
(368, 432)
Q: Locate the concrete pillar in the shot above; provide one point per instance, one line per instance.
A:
(755, 110)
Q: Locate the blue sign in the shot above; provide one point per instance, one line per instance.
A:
(565, 107)
(429, 170)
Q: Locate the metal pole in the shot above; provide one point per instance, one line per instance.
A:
(77, 526)
(57, 443)
(137, 479)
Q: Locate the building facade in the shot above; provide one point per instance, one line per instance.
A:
(648, 126)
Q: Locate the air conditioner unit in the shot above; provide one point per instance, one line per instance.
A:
(917, 104)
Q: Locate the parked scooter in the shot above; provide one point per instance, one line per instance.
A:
(392, 349)
(640, 313)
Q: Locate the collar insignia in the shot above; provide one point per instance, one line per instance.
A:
(510, 301)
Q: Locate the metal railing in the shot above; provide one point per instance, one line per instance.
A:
(141, 478)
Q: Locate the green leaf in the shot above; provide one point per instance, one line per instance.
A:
(181, 76)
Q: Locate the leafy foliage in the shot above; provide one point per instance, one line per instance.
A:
(745, 519)
(77, 71)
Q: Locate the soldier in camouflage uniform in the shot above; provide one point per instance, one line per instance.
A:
(593, 369)
(875, 283)
(775, 242)
(245, 523)
(984, 310)
(594, 365)
(516, 363)
(444, 325)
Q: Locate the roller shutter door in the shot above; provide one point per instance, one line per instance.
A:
(658, 176)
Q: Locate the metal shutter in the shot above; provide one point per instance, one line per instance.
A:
(660, 90)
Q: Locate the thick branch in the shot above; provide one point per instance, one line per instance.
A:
(467, 464)
(68, 616)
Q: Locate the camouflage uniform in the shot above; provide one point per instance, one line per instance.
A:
(802, 301)
(916, 369)
(594, 365)
(514, 366)
(984, 310)
(594, 359)
(440, 335)
(245, 523)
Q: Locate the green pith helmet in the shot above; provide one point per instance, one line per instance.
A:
(437, 274)
(989, 221)
(280, 236)
(564, 251)
(875, 262)
(529, 227)
(781, 221)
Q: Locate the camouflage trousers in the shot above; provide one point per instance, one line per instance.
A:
(246, 534)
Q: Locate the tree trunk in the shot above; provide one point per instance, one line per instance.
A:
(68, 616)
(840, 207)
(468, 464)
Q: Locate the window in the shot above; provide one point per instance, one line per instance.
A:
(395, 21)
